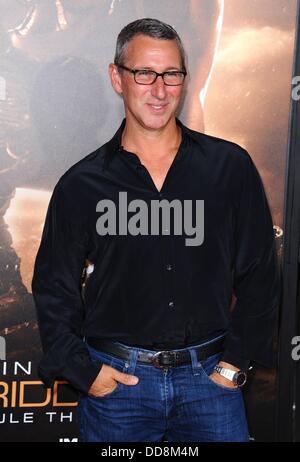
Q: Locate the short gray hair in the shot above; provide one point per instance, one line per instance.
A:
(151, 28)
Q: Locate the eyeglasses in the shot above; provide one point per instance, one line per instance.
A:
(147, 77)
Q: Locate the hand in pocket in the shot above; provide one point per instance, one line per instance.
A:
(107, 381)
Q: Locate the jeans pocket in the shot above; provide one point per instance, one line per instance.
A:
(207, 367)
(107, 395)
(109, 360)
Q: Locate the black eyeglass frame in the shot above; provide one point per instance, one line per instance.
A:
(157, 74)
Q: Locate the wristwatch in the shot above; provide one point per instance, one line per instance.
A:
(239, 378)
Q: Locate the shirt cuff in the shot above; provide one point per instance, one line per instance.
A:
(79, 376)
(230, 358)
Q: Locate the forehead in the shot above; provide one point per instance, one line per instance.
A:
(148, 52)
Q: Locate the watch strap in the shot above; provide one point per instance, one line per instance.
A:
(227, 373)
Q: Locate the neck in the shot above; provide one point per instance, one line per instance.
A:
(152, 143)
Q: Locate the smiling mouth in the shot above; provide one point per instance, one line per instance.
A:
(157, 107)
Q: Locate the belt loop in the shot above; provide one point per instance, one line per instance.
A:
(194, 359)
(130, 364)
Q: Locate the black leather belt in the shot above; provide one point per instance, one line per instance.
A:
(160, 359)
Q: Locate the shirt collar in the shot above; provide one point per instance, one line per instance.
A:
(115, 146)
(192, 134)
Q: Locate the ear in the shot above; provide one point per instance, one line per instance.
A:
(115, 78)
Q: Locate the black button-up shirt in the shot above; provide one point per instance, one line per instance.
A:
(154, 290)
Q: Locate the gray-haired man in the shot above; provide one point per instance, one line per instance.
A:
(154, 347)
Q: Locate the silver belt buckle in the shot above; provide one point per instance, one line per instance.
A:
(164, 355)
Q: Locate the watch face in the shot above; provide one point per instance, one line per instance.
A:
(240, 378)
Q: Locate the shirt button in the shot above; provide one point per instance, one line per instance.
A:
(171, 304)
(160, 195)
(169, 267)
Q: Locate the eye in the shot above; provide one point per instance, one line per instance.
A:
(173, 77)
(145, 72)
(173, 74)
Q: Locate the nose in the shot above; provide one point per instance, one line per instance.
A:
(158, 88)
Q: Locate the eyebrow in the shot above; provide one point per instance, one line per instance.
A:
(146, 68)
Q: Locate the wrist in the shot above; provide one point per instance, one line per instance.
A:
(228, 366)
(234, 375)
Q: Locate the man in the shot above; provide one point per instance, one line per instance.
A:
(153, 346)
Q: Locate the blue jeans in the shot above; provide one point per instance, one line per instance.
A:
(178, 404)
